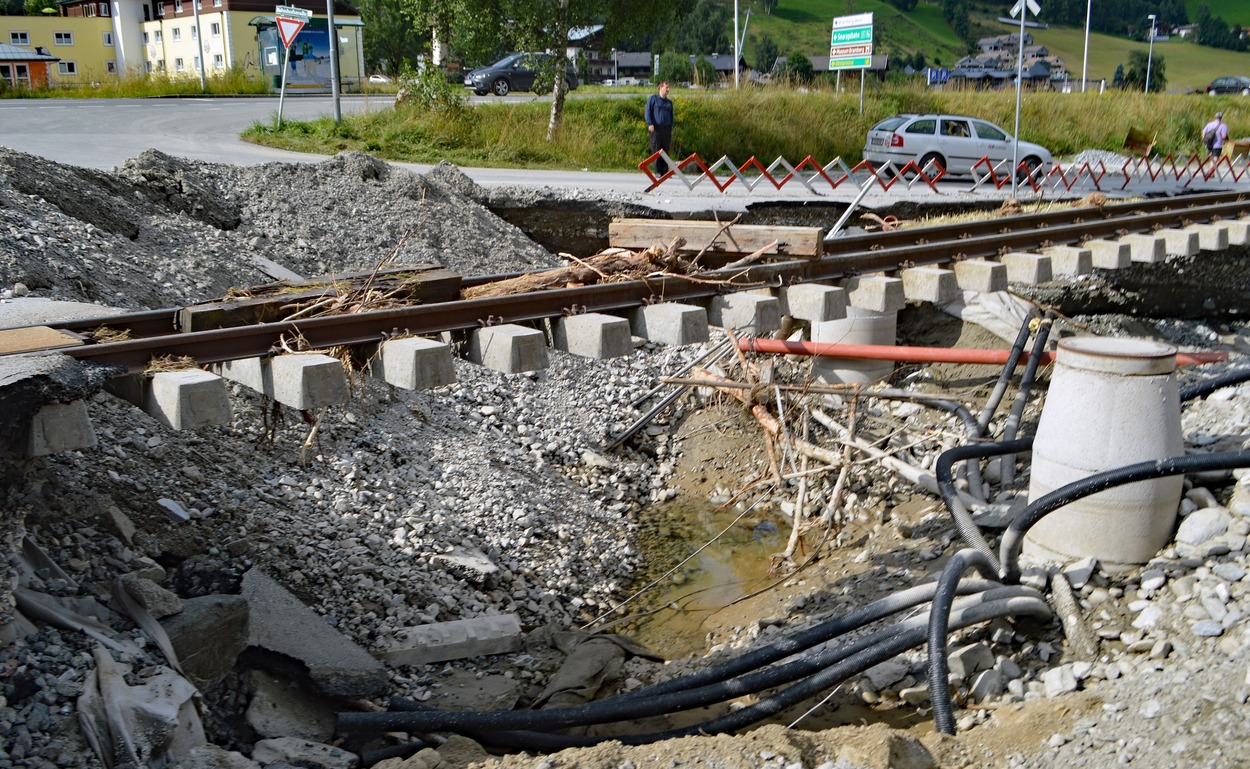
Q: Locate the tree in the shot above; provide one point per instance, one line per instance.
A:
(395, 37)
(704, 73)
(674, 67)
(1117, 80)
(798, 69)
(765, 53)
(1135, 77)
(768, 5)
(904, 5)
(37, 7)
(704, 30)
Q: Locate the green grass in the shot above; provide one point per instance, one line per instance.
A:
(608, 134)
(805, 25)
(1188, 66)
(231, 82)
(1232, 11)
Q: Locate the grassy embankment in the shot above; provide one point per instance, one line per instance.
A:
(606, 134)
(228, 83)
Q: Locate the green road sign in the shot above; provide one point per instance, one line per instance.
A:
(851, 35)
(857, 62)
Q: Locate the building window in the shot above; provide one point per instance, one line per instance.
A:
(67, 67)
(177, 34)
(19, 38)
(111, 66)
(160, 65)
(89, 10)
(63, 38)
(146, 39)
(158, 36)
(194, 33)
(160, 9)
(177, 6)
(108, 38)
(195, 63)
(219, 61)
(147, 67)
(178, 65)
(216, 3)
(104, 9)
(215, 29)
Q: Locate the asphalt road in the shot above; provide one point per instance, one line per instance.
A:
(104, 133)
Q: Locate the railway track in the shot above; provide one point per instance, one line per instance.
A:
(165, 332)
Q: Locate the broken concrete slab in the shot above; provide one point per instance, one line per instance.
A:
(281, 623)
(208, 635)
(305, 753)
(279, 708)
(459, 639)
(469, 563)
(469, 691)
(59, 427)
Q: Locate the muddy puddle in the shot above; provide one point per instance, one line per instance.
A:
(727, 554)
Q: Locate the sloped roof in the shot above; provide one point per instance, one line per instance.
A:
(17, 53)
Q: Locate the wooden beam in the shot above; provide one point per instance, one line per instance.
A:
(736, 239)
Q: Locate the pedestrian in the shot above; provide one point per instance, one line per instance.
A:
(1214, 134)
(659, 117)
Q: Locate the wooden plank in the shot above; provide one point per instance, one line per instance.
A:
(32, 338)
(426, 286)
(738, 239)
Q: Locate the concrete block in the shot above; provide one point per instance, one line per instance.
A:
(592, 335)
(308, 381)
(813, 302)
(1027, 268)
(1211, 237)
(745, 312)
(980, 275)
(414, 363)
(876, 293)
(1238, 231)
(929, 284)
(459, 639)
(60, 427)
(509, 348)
(1110, 254)
(280, 622)
(208, 635)
(1179, 242)
(188, 400)
(1146, 248)
(252, 373)
(1069, 260)
(670, 323)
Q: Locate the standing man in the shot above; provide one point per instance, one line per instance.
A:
(1214, 134)
(659, 117)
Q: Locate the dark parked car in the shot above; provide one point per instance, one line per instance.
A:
(518, 72)
(1232, 84)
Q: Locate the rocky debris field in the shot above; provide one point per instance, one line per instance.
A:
(497, 495)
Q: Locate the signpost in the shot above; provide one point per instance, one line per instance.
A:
(290, 21)
(1018, 8)
(850, 47)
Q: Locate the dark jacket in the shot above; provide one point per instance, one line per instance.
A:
(659, 110)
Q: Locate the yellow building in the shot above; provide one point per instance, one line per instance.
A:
(96, 39)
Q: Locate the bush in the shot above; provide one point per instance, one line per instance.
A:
(428, 89)
(704, 73)
(674, 67)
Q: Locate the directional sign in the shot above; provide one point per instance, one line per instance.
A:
(850, 44)
(288, 29)
(291, 12)
(1034, 8)
(847, 51)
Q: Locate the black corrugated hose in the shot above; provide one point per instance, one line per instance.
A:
(939, 628)
(943, 471)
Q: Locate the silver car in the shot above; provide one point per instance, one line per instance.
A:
(954, 143)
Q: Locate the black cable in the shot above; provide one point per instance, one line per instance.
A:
(1205, 387)
(939, 628)
(1009, 370)
(826, 679)
(1008, 463)
(943, 471)
(1013, 537)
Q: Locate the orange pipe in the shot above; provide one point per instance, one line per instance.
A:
(925, 354)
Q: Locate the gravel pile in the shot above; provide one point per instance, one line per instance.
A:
(358, 520)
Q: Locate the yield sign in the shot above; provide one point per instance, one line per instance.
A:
(288, 29)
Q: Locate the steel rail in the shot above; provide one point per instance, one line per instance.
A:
(1179, 205)
(370, 327)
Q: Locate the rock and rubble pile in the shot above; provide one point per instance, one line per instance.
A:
(368, 520)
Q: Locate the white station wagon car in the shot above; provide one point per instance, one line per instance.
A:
(954, 142)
